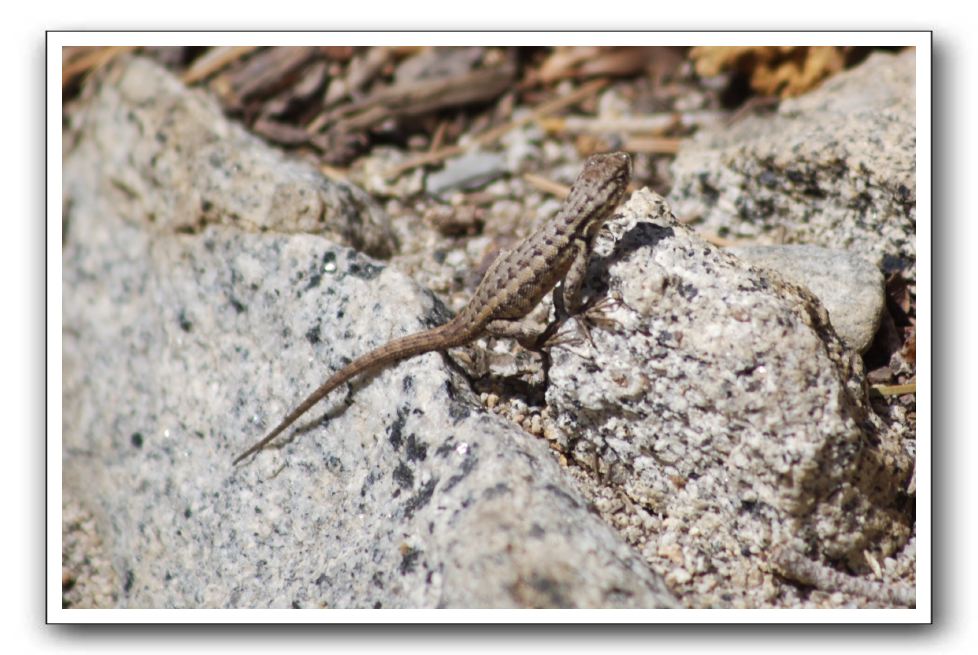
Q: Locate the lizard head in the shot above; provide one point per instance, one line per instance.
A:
(601, 186)
(612, 170)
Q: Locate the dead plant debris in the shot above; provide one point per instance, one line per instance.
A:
(782, 71)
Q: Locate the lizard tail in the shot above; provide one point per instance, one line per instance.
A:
(439, 338)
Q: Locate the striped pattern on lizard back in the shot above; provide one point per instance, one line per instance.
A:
(519, 279)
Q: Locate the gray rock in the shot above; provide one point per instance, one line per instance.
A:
(142, 141)
(850, 288)
(179, 350)
(469, 171)
(721, 400)
(835, 167)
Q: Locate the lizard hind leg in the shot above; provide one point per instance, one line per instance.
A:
(523, 331)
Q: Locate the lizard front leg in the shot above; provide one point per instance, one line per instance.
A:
(567, 295)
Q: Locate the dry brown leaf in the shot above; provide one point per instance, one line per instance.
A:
(784, 71)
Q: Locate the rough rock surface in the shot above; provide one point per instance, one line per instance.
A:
(849, 287)
(168, 157)
(717, 424)
(188, 329)
(835, 168)
(718, 399)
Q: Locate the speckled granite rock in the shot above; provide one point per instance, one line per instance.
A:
(835, 168)
(850, 288)
(166, 149)
(723, 404)
(179, 349)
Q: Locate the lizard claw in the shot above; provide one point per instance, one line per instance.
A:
(597, 315)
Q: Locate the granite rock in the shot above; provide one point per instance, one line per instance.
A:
(181, 346)
(849, 287)
(162, 154)
(835, 167)
(716, 396)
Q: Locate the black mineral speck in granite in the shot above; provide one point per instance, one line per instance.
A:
(312, 334)
(403, 476)
(409, 560)
(314, 281)
(498, 489)
(395, 431)
(458, 411)
(334, 464)
(416, 451)
(184, 322)
(129, 581)
(136, 439)
(362, 269)
(317, 268)
(447, 447)
(238, 306)
(420, 499)
(367, 483)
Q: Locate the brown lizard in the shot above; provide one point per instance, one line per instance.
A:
(516, 281)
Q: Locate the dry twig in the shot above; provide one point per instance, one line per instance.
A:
(214, 60)
(491, 135)
(794, 566)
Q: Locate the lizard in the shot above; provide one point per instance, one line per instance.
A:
(515, 282)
